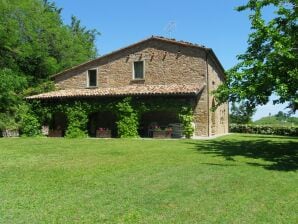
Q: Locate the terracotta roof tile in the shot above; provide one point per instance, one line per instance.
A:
(131, 90)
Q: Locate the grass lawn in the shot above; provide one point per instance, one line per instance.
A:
(231, 179)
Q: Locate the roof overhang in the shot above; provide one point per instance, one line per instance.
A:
(130, 90)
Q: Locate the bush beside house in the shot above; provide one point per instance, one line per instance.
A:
(264, 129)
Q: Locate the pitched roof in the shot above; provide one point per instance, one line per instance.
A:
(159, 38)
(131, 90)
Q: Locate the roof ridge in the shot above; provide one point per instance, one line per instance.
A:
(179, 41)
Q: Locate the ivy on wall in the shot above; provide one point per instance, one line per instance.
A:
(128, 122)
(77, 120)
(186, 118)
(128, 111)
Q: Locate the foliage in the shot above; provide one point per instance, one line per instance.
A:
(34, 40)
(11, 85)
(240, 114)
(128, 122)
(186, 117)
(7, 122)
(264, 129)
(43, 87)
(269, 64)
(77, 118)
(35, 44)
(128, 111)
(29, 123)
(281, 116)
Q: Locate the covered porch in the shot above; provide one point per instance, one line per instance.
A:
(134, 111)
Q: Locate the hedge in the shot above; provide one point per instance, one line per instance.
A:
(264, 129)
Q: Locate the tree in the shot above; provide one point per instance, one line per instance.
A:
(11, 85)
(34, 41)
(35, 44)
(281, 116)
(270, 63)
(240, 114)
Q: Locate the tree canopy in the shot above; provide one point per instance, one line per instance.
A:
(35, 41)
(240, 115)
(35, 44)
(270, 63)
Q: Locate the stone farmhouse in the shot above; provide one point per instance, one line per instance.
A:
(156, 67)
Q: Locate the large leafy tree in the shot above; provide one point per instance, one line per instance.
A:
(34, 41)
(11, 84)
(35, 44)
(240, 115)
(270, 63)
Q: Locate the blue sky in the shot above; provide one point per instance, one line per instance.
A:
(213, 23)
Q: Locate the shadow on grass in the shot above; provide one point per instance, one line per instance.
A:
(282, 154)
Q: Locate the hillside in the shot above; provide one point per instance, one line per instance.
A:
(277, 121)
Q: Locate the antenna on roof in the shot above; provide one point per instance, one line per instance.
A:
(170, 28)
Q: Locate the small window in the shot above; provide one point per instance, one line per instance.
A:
(92, 78)
(138, 68)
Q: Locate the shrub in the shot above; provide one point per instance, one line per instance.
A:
(264, 129)
(128, 122)
(75, 132)
(77, 121)
(30, 125)
(7, 122)
(186, 118)
(29, 122)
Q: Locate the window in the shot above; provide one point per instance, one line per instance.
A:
(138, 70)
(92, 78)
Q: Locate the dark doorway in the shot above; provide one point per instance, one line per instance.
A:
(102, 121)
(58, 125)
(157, 120)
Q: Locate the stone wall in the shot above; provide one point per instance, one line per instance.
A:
(218, 119)
(165, 63)
(201, 114)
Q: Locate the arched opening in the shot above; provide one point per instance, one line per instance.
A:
(164, 122)
(102, 124)
(58, 125)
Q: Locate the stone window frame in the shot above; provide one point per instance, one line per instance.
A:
(87, 78)
(133, 70)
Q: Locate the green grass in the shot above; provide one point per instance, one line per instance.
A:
(232, 179)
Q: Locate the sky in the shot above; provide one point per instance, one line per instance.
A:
(213, 23)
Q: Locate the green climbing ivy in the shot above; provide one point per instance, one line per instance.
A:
(186, 118)
(77, 120)
(128, 122)
(128, 111)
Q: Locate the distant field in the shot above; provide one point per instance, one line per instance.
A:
(232, 179)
